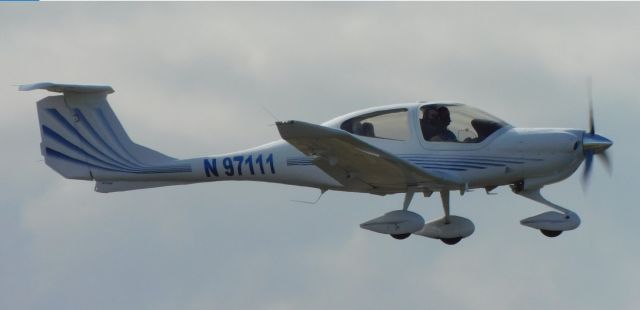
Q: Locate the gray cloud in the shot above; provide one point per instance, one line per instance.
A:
(190, 79)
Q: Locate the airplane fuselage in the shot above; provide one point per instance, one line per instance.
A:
(524, 157)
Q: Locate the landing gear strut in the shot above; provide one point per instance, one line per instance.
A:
(444, 196)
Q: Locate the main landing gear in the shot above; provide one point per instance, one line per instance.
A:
(552, 223)
(450, 229)
(400, 224)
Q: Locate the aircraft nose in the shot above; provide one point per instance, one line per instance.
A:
(595, 143)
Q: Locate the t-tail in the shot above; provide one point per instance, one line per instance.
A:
(83, 139)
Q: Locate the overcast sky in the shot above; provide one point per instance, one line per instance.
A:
(190, 80)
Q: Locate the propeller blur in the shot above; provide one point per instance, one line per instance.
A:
(593, 144)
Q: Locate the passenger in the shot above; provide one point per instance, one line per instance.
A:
(428, 123)
(367, 130)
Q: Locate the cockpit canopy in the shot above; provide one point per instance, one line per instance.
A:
(456, 123)
(438, 122)
(388, 124)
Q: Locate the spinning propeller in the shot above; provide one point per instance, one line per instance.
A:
(593, 144)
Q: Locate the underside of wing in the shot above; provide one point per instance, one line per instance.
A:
(358, 165)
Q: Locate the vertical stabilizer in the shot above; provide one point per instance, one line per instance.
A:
(83, 139)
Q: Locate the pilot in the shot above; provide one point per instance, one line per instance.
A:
(434, 124)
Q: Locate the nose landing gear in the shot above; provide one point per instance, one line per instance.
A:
(551, 223)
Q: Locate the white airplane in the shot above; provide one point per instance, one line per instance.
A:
(422, 147)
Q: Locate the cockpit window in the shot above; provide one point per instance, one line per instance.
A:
(389, 124)
(456, 123)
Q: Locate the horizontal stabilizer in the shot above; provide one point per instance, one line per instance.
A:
(68, 88)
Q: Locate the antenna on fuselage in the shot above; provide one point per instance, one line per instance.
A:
(322, 191)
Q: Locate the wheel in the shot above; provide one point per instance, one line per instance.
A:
(551, 233)
(400, 236)
(451, 241)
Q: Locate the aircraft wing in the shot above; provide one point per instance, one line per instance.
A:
(357, 164)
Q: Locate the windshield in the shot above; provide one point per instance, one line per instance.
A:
(457, 123)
